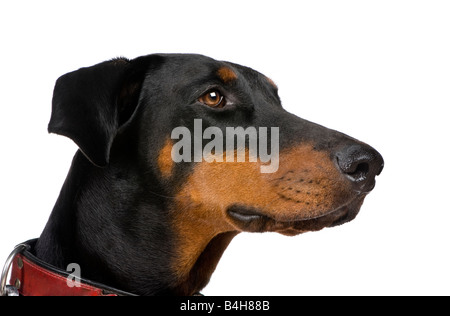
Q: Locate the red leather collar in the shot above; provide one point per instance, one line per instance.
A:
(32, 277)
(33, 280)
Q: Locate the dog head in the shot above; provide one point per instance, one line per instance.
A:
(213, 140)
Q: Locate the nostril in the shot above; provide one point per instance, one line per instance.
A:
(360, 173)
(360, 164)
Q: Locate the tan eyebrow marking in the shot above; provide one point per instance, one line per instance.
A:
(272, 83)
(226, 74)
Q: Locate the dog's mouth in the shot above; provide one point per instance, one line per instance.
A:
(249, 219)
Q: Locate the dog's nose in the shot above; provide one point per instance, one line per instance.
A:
(360, 163)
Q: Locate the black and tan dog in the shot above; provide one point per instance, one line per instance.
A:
(135, 220)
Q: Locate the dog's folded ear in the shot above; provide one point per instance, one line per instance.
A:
(90, 104)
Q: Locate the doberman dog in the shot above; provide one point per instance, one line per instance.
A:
(136, 220)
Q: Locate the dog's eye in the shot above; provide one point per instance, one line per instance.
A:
(213, 99)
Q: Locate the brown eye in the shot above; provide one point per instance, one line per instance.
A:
(213, 99)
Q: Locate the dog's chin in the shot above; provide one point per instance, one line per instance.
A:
(248, 219)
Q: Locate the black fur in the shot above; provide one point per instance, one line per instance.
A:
(112, 215)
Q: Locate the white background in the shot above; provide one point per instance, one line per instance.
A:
(377, 70)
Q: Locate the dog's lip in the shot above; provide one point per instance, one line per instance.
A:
(247, 214)
(251, 217)
(244, 214)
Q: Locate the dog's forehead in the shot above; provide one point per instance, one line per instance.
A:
(189, 64)
(193, 66)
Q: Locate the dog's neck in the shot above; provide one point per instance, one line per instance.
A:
(122, 237)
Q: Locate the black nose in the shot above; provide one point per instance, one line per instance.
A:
(360, 163)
